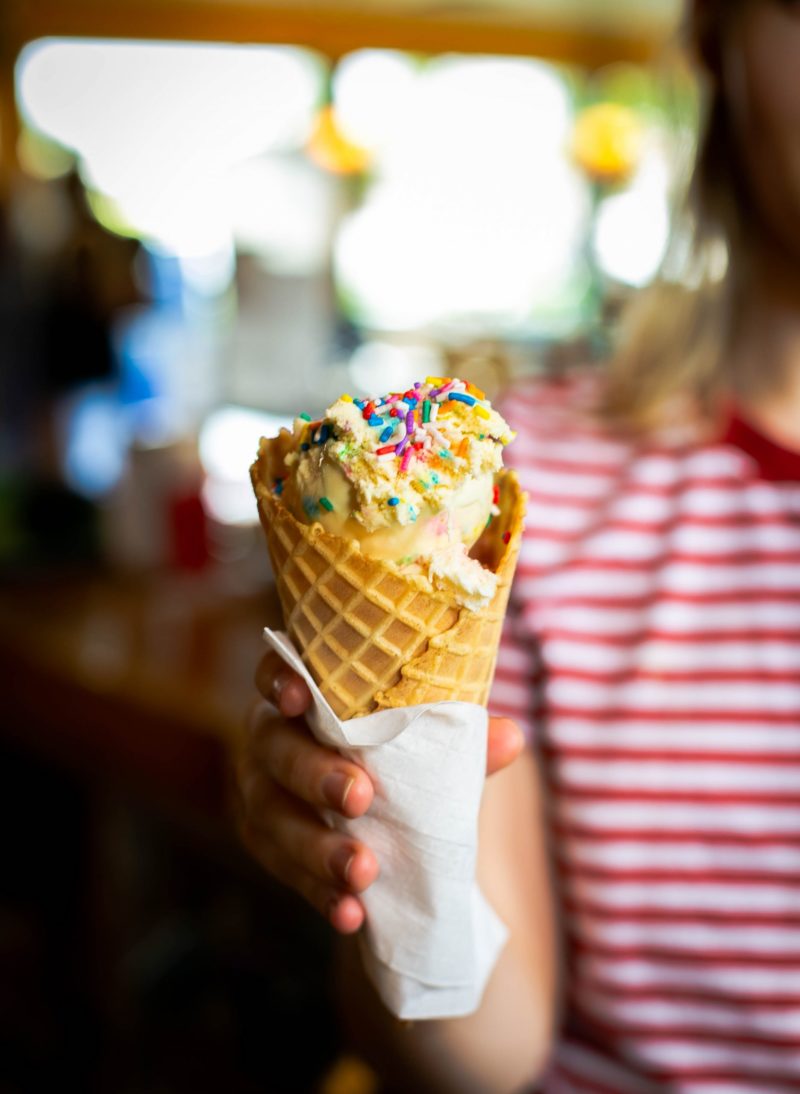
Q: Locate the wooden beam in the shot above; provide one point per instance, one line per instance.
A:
(333, 30)
(9, 119)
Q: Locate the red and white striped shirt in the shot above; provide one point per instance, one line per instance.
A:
(653, 652)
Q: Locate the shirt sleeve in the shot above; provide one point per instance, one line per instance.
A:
(515, 692)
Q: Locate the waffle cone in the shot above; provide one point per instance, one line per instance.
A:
(371, 636)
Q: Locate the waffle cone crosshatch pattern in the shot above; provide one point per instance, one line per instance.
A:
(371, 636)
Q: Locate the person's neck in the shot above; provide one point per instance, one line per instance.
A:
(766, 350)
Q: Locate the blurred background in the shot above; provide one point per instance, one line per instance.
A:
(215, 214)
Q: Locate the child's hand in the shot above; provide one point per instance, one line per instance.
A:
(285, 778)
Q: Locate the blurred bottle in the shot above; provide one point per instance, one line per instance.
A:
(155, 518)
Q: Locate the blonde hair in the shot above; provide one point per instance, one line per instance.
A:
(669, 364)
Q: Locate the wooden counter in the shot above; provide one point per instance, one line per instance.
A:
(145, 680)
(141, 947)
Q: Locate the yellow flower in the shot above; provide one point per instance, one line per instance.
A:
(607, 142)
(332, 150)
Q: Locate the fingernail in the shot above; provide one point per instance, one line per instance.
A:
(336, 787)
(341, 861)
(278, 684)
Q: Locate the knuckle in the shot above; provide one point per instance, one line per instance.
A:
(311, 850)
(253, 714)
(317, 894)
(269, 856)
(260, 806)
(307, 843)
(254, 842)
(260, 722)
(295, 762)
(277, 867)
(296, 771)
(253, 792)
(287, 756)
(291, 857)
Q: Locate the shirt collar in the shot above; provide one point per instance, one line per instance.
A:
(775, 463)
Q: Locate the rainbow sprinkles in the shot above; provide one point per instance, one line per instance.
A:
(422, 429)
(411, 476)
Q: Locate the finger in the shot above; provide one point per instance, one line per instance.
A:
(346, 914)
(306, 769)
(505, 743)
(300, 836)
(277, 683)
(343, 911)
(321, 895)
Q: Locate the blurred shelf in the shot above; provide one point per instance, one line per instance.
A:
(141, 680)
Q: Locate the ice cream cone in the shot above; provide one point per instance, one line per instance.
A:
(371, 635)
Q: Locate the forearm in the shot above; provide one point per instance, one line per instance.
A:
(505, 1043)
(500, 1048)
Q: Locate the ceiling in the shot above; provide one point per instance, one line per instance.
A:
(590, 32)
(652, 16)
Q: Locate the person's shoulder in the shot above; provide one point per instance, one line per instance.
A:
(570, 399)
(555, 412)
(572, 406)
(568, 445)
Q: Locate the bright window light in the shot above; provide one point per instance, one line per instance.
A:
(229, 437)
(158, 125)
(379, 366)
(632, 227)
(282, 208)
(476, 217)
(228, 444)
(372, 89)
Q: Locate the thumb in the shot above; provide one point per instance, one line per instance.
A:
(504, 745)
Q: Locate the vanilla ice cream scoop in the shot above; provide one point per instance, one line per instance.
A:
(410, 476)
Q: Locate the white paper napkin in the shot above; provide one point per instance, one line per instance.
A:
(431, 939)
